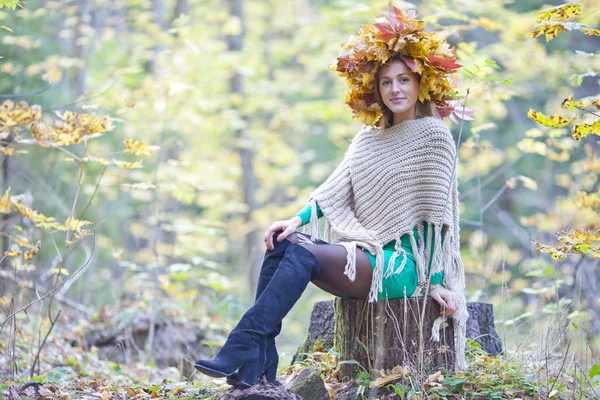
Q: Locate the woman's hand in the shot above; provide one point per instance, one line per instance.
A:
(447, 300)
(288, 227)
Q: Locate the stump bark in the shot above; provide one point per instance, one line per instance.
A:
(320, 330)
(481, 328)
(388, 333)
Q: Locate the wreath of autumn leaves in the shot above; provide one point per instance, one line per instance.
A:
(398, 34)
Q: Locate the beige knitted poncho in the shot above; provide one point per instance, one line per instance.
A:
(389, 182)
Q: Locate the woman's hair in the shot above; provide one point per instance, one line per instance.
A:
(422, 108)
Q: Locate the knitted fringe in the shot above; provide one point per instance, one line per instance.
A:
(312, 228)
(377, 280)
(350, 268)
(435, 330)
(398, 250)
(461, 345)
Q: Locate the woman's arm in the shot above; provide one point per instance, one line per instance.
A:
(304, 214)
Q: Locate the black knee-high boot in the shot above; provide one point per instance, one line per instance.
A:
(268, 360)
(291, 277)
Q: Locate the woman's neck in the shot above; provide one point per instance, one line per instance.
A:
(405, 116)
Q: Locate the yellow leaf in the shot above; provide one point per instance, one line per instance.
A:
(528, 183)
(591, 32)
(129, 165)
(529, 145)
(489, 25)
(143, 186)
(53, 76)
(74, 224)
(6, 28)
(12, 253)
(571, 104)
(32, 253)
(554, 121)
(60, 271)
(139, 147)
(582, 130)
(562, 12)
(24, 211)
(23, 242)
(5, 203)
(8, 151)
(12, 114)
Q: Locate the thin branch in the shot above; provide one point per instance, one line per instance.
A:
(37, 356)
(53, 290)
(489, 178)
(85, 98)
(16, 96)
(493, 199)
(93, 194)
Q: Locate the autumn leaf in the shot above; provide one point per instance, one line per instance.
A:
(73, 129)
(561, 12)
(571, 104)
(25, 211)
(582, 130)
(556, 254)
(552, 29)
(74, 224)
(23, 242)
(142, 186)
(554, 121)
(12, 253)
(5, 203)
(21, 113)
(591, 32)
(444, 62)
(397, 373)
(120, 164)
(139, 147)
(60, 271)
(32, 253)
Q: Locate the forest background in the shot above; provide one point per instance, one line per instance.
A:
(206, 120)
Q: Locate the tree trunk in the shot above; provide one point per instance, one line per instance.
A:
(386, 334)
(4, 228)
(235, 43)
(181, 7)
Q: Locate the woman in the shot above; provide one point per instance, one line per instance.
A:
(392, 203)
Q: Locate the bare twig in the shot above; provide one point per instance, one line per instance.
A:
(37, 356)
(17, 96)
(51, 291)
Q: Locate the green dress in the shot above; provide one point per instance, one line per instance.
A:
(402, 284)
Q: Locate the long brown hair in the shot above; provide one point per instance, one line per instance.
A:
(422, 108)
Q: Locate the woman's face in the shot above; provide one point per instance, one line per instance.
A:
(399, 90)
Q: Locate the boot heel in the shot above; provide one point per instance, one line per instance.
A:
(249, 374)
(271, 372)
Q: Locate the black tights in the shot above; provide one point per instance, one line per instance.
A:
(332, 258)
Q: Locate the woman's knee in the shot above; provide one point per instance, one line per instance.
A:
(293, 237)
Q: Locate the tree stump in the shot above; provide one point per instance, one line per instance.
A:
(320, 330)
(388, 333)
(481, 328)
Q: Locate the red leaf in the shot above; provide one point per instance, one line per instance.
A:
(446, 63)
(410, 63)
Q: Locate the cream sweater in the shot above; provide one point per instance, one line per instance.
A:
(389, 182)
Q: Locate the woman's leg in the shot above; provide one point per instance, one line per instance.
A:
(333, 259)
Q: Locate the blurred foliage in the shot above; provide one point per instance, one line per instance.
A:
(147, 86)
